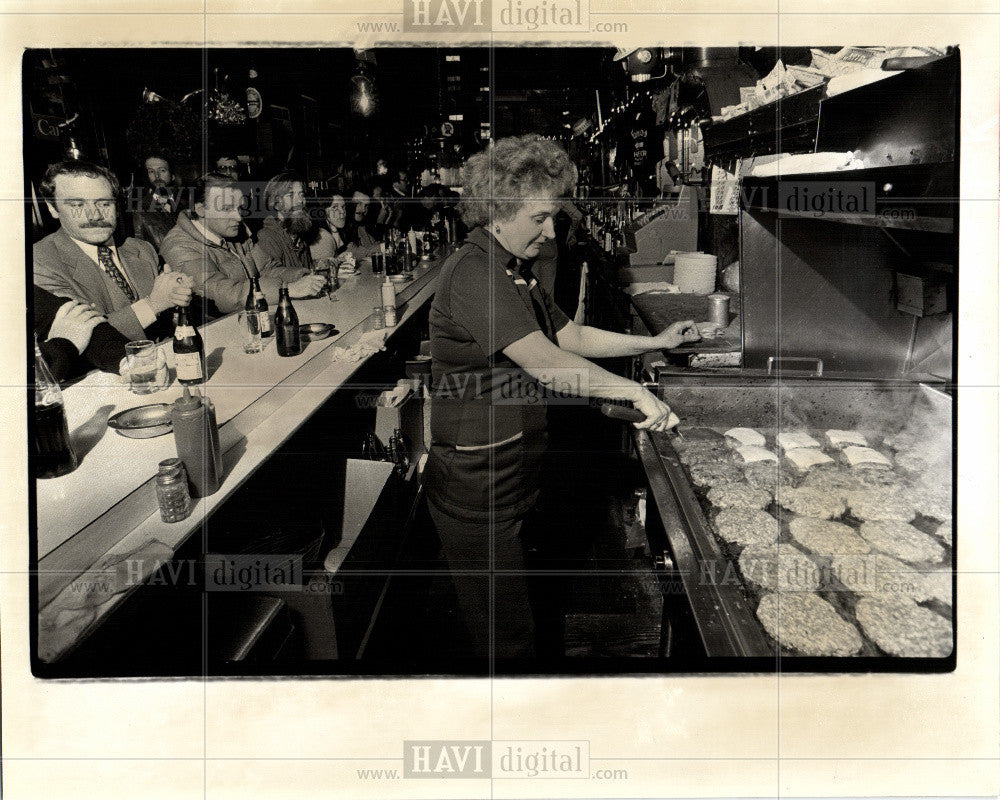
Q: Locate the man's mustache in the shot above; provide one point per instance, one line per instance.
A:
(96, 225)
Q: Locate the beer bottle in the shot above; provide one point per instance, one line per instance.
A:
(266, 326)
(286, 325)
(53, 451)
(189, 351)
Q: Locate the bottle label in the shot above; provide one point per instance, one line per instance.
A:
(188, 366)
(266, 326)
(183, 331)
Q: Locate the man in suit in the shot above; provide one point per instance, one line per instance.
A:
(158, 204)
(81, 260)
(211, 245)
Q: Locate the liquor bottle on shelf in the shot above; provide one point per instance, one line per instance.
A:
(260, 305)
(53, 451)
(398, 454)
(286, 325)
(371, 448)
(189, 351)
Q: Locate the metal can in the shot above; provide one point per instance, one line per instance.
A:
(718, 309)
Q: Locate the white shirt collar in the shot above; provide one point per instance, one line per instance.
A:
(213, 238)
(90, 250)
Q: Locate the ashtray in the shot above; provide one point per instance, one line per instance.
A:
(142, 422)
(314, 331)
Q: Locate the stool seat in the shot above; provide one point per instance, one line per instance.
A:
(244, 626)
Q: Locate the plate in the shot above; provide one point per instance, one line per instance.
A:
(142, 422)
(400, 278)
(314, 331)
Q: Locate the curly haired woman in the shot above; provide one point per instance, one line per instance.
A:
(498, 344)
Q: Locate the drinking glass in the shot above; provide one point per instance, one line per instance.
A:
(249, 326)
(147, 367)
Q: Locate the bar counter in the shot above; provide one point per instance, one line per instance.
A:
(106, 509)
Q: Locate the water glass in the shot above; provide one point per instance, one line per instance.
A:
(250, 327)
(147, 367)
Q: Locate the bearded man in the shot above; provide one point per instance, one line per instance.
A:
(281, 238)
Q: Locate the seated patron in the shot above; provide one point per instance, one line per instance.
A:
(158, 204)
(281, 238)
(81, 261)
(74, 338)
(361, 223)
(211, 245)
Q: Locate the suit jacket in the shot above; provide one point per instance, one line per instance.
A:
(62, 268)
(105, 351)
(220, 275)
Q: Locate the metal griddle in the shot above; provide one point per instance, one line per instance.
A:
(723, 616)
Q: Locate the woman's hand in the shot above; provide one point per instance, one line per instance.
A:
(75, 322)
(659, 417)
(676, 334)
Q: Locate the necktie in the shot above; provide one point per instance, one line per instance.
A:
(108, 265)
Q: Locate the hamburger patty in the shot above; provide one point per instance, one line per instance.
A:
(767, 475)
(881, 503)
(711, 473)
(779, 568)
(806, 623)
(812, 502)
(878, 575)
(747, 527)
(739, 495)
(826, 538)
(902, 628)
(901, 540)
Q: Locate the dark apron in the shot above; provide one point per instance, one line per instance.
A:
(490, 432)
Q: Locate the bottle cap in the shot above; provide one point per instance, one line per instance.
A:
(187, 401)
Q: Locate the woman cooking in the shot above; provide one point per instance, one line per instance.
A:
(498, 342)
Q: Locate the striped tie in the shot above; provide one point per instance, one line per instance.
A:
(109, 266)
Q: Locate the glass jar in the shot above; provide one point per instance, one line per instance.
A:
(172, 492)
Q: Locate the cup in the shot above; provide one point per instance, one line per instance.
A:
(147, 367)
(378, 263)
(249, 326)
